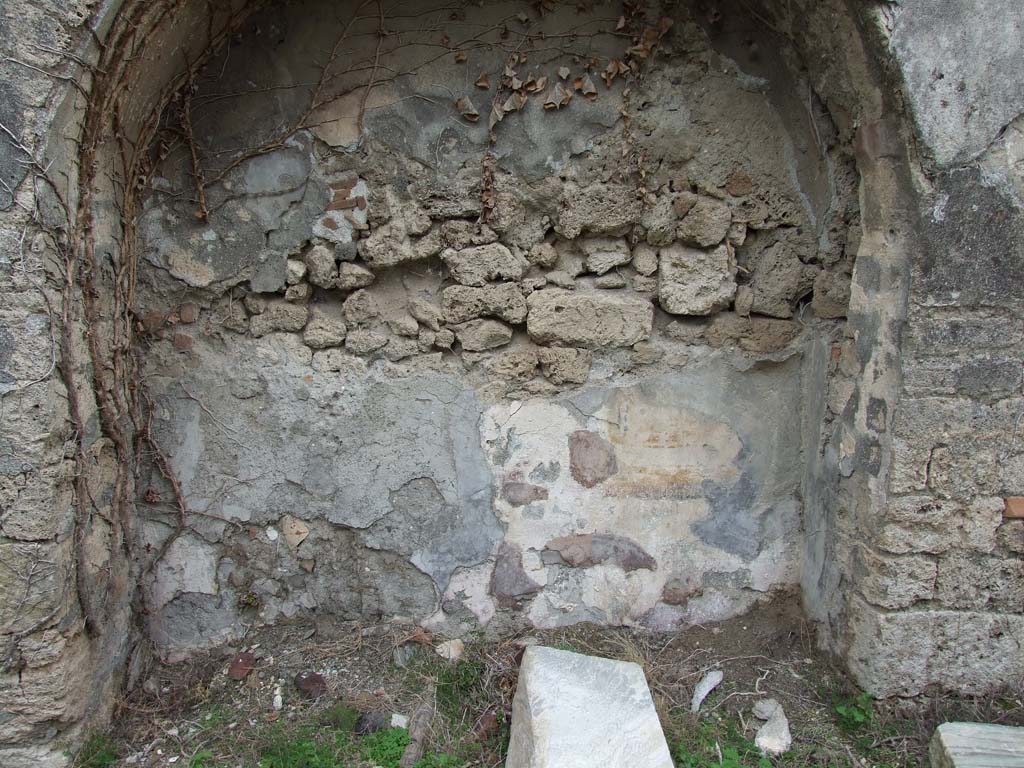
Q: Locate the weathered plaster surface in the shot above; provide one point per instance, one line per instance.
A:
(906, 424)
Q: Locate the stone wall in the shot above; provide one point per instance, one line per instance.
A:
(941, 577)
(872, 462)
(543, 370)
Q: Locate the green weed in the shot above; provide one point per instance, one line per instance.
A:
(385, 747)
(722, 747)
(98, 752)
(341, 717)
(302, 750)
(434, 760)
(854, 714)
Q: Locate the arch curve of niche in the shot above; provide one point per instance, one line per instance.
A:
(479, 318)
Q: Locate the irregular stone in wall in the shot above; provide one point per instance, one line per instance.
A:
(298, 294)
(925, 524)
(599, 209)
(426, 313)
(481, 335)
(979, 582)
(591, 458)
(705, 224)
(561, 279)
(604, 253)
(462, 233)
(831, 295)
(399, 349)
(352, 276)
(543, 255)
(338, 360)
(517, 493)
(509, 581)
(461, 303)
(894, 582)
(692, 281)
(660, 221)
(324, 329)
(404, 325)
(678, 590)
(363, 342)
(476, 266)
(612, 281)
(589, 549)
(279, 315)
(591, 320)
(295, 271)
(779, 278)
(387, 246)
(900, 653)
(515, 365)
(565, 365)
(645, 259)
(360, 307)
(320, 266)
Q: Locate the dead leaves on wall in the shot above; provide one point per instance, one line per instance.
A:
(515, 88)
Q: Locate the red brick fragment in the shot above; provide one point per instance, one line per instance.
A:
(1014, 509)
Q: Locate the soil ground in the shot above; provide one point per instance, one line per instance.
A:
(195, 715)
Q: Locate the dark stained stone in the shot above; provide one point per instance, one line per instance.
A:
(510, 582)
(519, 494)
(591, 458)
(585, 550)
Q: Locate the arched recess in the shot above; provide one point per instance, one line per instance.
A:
(99, 159)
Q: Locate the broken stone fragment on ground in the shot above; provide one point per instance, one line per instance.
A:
(573, 710)
(705, 686)
(773, 737)
(977, 745)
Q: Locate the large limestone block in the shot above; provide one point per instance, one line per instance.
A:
(696, 282)
(590, 320)
(977, 745)
(576, 711)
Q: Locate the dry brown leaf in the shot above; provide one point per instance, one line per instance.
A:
(461, 57)
(588, 88)
(497, 115)
(514, 102)
(621, 25)
(421, 636)
(466, 108)
(484, 81)
(539, 84)
(560, 96)
(563, 72)
(516, 84)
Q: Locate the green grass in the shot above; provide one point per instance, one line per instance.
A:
(383, 748)
(717, 745)
(202, 759)
(854, 714)
(434, 760)
(342, 717)
(98, 752)
(302, 749)
(461, 689)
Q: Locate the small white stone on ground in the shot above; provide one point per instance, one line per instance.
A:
(707, 684)
(278, 699)
(576, 711)
(977, 745)
(773, 737)
(450, 649)
(399, 721)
